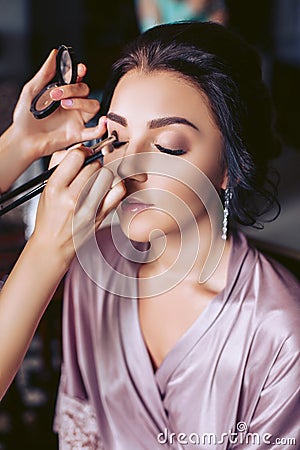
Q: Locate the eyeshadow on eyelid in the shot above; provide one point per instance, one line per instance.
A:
(172, 138)
(172, 144)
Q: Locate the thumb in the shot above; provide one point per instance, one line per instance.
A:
(57, 158)
(44, 75)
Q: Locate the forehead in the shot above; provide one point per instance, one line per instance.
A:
(160, 93)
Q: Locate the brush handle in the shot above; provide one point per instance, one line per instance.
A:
(38, 183)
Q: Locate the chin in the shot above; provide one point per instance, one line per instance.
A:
(144, 226)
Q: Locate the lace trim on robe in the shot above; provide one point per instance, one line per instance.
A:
(76, 425)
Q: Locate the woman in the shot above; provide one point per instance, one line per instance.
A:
(49, 251)
(176, 332)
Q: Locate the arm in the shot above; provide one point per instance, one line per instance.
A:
(49, 252)
(28, 139)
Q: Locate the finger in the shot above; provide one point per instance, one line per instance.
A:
(81, 72)
(70, 90)
(68, 169)
(94, 191)
(81, 134)
(85, 217)
(87, 107)
(83, 177)
(91, 133)
(88, 203)
(89, 211)
(44, 75)
(113, 198)
(75, 137)
(57, 158)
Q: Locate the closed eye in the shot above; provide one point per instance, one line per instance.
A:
(169, 151)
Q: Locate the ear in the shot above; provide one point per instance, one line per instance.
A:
(224, 180)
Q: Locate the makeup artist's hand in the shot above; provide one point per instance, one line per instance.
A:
(28, 139)
(74, 204)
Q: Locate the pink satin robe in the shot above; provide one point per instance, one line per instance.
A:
(235, 370)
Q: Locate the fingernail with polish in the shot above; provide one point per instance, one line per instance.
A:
(67, 102)
(56, 94)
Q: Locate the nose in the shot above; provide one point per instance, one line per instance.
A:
(131, 166)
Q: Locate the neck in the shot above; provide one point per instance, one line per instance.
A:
(187, 254)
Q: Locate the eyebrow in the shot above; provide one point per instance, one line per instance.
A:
(164, 121)
(116, 118)
(155, 123)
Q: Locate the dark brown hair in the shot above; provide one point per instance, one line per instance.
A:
(228, 71)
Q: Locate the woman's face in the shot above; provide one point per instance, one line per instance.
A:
(164, 114)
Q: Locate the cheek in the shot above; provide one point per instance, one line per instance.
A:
(217, 167)
(211, 168)
(176, 198)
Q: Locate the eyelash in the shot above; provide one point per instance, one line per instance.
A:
(118, 144)
(169, 151)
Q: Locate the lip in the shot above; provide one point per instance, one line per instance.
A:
(133, 205)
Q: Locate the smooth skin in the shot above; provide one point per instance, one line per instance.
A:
(139, 104)
(50, 250)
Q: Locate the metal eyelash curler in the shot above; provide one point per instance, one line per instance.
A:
(31, 188)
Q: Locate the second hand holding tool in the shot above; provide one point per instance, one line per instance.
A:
(37, 184)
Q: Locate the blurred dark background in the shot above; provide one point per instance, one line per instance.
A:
(97, 31)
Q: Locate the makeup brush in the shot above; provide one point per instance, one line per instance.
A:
(38, 183)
